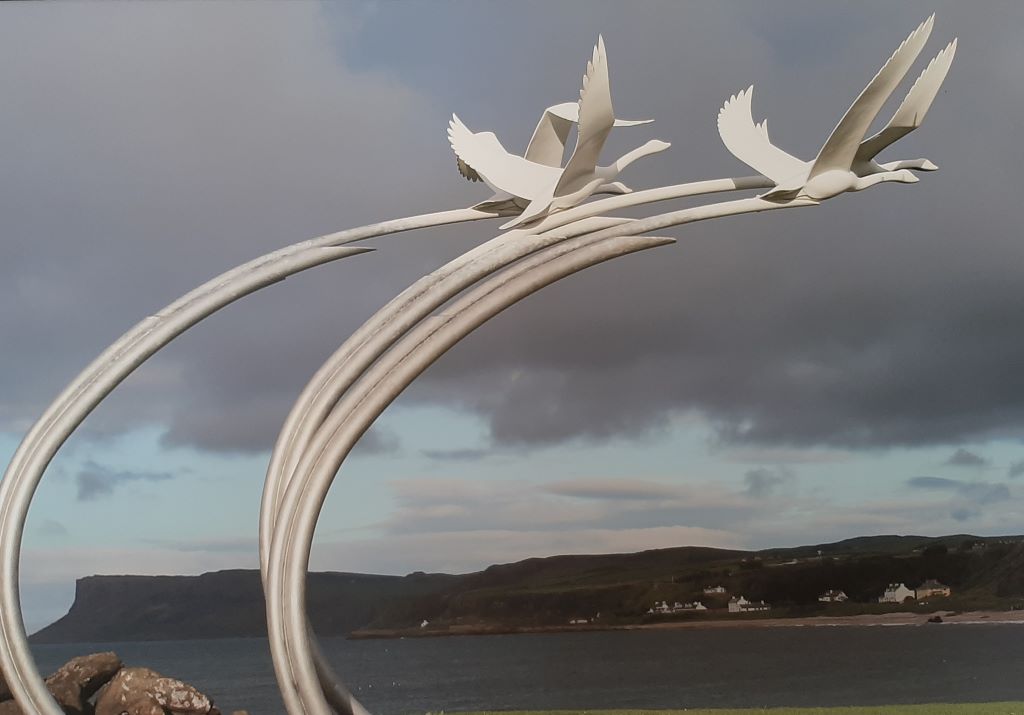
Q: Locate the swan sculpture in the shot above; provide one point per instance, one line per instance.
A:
(846, 161)
(907, 118)
(546, 187)
(546, 147)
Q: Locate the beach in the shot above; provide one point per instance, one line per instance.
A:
(901, 618)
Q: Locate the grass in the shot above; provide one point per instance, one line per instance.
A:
(1008, 708)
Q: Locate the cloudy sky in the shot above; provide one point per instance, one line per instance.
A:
(796, 377)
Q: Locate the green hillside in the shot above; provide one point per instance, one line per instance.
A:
(605, 590)
(983, 573)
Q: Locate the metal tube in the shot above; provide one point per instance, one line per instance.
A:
(429, 340)
(394, 319)
(289, 653)
(82, 395)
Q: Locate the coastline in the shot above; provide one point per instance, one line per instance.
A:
(901, 618)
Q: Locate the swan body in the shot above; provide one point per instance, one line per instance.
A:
(581, 176)
(846, 161)
(546, 149)
(536, 182)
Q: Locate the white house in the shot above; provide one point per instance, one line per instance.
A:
(896, 593)
(833, 596)
(695, 606)
(931, 587)
(738, 604)
(712, 590)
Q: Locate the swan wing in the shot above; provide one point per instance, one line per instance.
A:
(596, 118)
(631, 122)
(915, 105)
(749, 142)
(841, 147)
(484, 157)
(547, 145)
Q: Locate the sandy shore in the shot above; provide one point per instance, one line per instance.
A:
(869, 619)
(873, 619)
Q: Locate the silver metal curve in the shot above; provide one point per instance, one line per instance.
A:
(290, 653)
(388, 324)
(382, 384)
(293, 434)
(86, 391)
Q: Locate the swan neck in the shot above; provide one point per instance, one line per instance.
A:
(629, 157)
(865, 182)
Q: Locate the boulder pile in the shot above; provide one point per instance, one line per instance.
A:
(118, 690)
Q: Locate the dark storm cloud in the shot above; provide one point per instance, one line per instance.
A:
(933, 483)
(965, 458)
(875, 319)
(580, 504)
(967, 497)
(963, 513)
(455, 455)
(763, 482)
(52, 528)
(985, 492)
(95, 480)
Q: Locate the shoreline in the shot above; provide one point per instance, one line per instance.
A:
(901, 618)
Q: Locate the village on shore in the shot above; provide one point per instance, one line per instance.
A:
(716, 595)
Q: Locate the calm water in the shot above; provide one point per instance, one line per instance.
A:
(621, 669)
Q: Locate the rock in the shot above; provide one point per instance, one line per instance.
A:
(78, 680)
(74, 683)
(5, 692)
(141, 691)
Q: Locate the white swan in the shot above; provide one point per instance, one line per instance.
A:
(546, 147)
(907, 118)
(546, 187)
(846, 161)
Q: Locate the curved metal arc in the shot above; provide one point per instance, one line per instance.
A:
(398, 316)
(372, 338)
(292, 435)
(414, 353)
(649, 196)
(316, 401)
(64, 415)
(81, 396)
(677, 218)
(346, 365)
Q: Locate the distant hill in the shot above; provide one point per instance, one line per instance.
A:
(984, 572)
(223, 604)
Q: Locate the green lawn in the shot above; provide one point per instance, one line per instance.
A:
(1014, 708)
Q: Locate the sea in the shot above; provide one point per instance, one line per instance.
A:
(684, 668)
